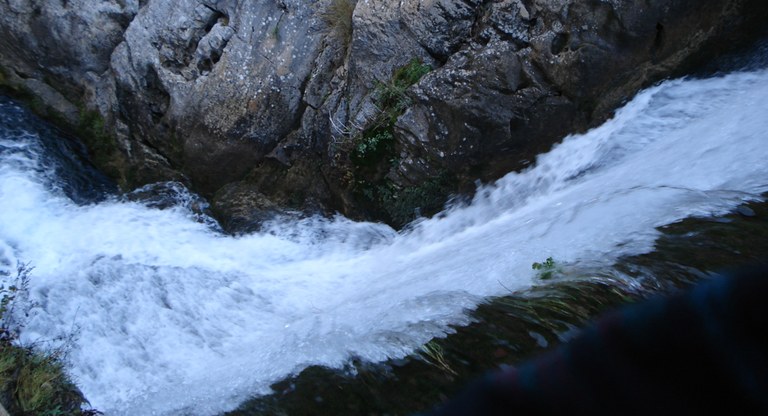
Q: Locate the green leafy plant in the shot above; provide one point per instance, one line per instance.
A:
(547, 269)
(370, 146)
(392, 101)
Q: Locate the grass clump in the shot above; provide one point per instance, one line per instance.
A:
(392, 98)
(32, 382)
(36, 384)
(337, 20)
(433, 354)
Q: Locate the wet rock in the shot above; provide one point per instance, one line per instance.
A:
(745, 211)
(173, 195)
(278, 94)
(242, 208)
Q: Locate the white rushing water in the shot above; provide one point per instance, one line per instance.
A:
(173, 317)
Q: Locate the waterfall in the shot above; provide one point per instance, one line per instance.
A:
(170, 316)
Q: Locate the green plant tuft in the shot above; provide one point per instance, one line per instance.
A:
(547, 269)
(391, 97)
(433, 354)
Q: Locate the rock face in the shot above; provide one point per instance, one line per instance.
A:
(325, 105)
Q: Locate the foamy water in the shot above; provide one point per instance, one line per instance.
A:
(173, 317)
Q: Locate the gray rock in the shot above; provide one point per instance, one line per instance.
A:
(271, 97)
(566, 65)
(242, 208)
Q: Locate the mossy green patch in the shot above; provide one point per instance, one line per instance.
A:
(91, 129)
(103, 147)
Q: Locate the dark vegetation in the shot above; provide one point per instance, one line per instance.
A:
(373, 152)
(33, 381)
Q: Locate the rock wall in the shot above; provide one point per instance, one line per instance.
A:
(370, 107)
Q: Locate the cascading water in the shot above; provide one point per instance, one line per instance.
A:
(173, 317)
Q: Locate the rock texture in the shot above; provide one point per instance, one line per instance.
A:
(298, 103)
